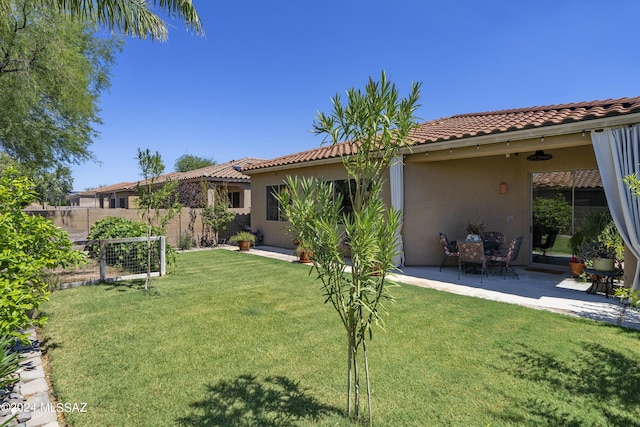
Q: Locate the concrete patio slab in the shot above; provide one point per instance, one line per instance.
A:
(534, 289)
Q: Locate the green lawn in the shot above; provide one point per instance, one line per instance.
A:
(232, 339)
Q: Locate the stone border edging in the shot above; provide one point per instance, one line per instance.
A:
(30, 397)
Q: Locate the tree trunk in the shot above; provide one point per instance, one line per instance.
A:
(366, 373)
(349, 370)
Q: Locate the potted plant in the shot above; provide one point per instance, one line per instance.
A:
(244, 239)
(474, 228)
(577, 266)
(599, 254)
(304, 254)
(589, 228)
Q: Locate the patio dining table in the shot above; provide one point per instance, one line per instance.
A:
(605, 278)
(491, 246)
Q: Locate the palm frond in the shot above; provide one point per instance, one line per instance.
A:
(130, 17)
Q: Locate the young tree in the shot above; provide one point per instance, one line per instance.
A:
(157, 201)
(30, 245)
(376, 124)
(188, 162)
(217, 216)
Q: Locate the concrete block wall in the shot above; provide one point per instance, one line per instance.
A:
(77, 221)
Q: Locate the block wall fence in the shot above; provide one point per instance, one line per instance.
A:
(77, 221)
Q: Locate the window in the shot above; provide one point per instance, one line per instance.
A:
(273, 207)
(112, 203)
(123, 202)
(339, 187)
(234, 199)
(342, 187)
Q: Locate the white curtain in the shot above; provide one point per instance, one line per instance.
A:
(618, 154)
(396, 179)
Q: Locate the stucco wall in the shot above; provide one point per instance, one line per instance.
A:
(78, 221)
(440, 196)
(275, 231)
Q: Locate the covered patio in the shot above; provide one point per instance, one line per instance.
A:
(541, 290)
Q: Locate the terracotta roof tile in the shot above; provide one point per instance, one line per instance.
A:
(114, 187)
(478, 124)
(563, 180)
(229, 171)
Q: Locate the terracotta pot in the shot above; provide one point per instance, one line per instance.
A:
(576, 268)
(305, 257)
(244, 245)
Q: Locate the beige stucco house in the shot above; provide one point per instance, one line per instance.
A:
(479, 166)
(122, 195)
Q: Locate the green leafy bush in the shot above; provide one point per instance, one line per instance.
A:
(185, 241)
(30, 245)
(129, 256)
(588, 230)
(552, 214)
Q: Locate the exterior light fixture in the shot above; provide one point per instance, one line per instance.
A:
(502, 188)
(538, 156)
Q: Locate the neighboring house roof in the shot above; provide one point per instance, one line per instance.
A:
(228, 172)
(464, 126)
(121, 186)
(564, 180)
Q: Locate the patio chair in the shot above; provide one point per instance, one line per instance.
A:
(506, 259)
(543, 239)
(471, 253)
(493, 240)
(450, 249)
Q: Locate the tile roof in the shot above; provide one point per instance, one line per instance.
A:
(108, 189)
(228, 171)
(562, 180)
(477, 124)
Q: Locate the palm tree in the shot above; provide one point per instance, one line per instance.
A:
(131, 17)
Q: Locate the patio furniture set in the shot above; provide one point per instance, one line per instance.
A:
(484, 254)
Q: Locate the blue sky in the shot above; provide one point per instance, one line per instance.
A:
(254, 84)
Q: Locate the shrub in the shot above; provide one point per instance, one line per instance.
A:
(9, 360)
(132, 256)
(30, 245)
(185, 241)
(552, 214)
(242, 236)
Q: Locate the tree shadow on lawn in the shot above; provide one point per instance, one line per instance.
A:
(128, 285)
(600, 385)
(250, 401)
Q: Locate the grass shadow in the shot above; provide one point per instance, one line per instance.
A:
(125, 285)
(250, 401)
(600, 386)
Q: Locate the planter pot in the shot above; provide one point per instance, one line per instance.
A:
(576, 268)
(244, 245)
(305, 257)
(603, 264)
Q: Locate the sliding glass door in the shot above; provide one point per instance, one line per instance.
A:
(560, 201)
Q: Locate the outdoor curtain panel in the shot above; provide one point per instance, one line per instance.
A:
(618, 154)
(396, 178)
